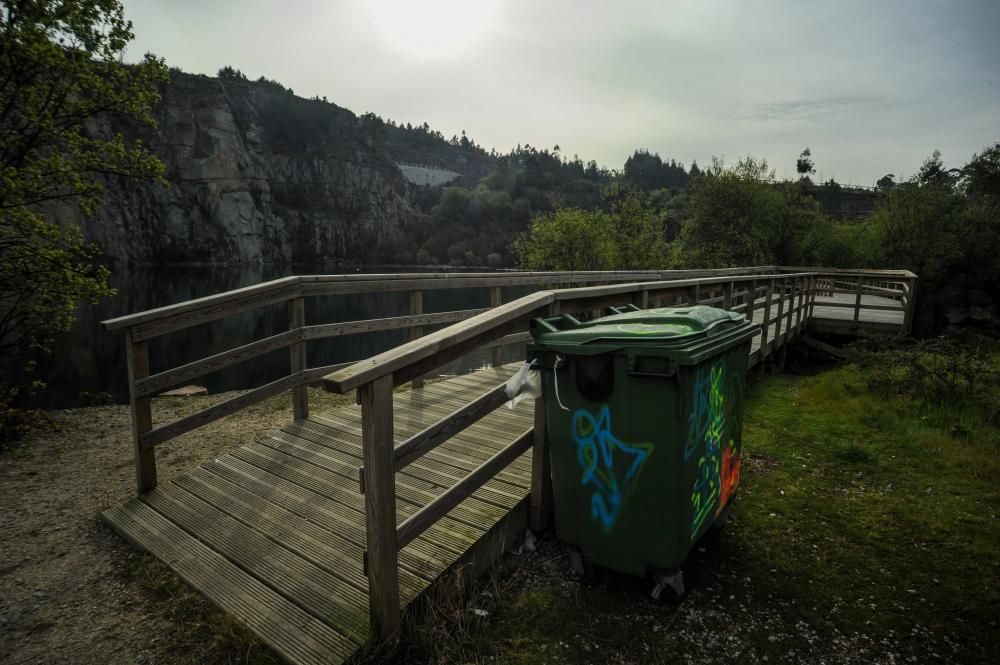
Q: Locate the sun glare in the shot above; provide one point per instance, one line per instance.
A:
(431, 28)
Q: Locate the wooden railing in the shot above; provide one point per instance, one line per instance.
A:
(142, 327)
(785, 296)
(785, 299)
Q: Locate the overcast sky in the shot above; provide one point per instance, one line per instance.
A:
(872, 87)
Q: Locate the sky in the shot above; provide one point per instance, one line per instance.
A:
(871, 87)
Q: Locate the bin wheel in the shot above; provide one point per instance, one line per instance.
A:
(587, 573)
(669, 587)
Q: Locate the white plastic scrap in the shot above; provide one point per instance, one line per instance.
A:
(526, 383)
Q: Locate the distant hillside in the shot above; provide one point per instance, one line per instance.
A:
(258, 175)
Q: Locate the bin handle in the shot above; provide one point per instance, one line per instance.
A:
(654, 375)
(552, 325)
(629, 307)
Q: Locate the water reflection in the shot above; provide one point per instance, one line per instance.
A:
(90, 361)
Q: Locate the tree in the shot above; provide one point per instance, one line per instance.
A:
(230, 74)
(62, 73)
(804, 164)
(568, 239)
(629, 237)
(981, 176)
(933, 172)
(886, 182)
(732, 210)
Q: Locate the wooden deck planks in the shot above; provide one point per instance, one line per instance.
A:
(297, 635)
(273, 532)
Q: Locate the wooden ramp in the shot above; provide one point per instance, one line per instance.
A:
(273, 533)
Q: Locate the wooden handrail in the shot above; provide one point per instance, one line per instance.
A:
(492, 328)
(407, 354)
(209, 308)
(849, 272)
(396, 361)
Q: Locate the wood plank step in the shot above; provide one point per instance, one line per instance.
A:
(450, 462)
(503, 496)
(483, 515)
(303, 583)
(320, 481)
(320, 509)
(292, 632)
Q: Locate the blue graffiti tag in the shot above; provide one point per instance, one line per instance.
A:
(596, 448)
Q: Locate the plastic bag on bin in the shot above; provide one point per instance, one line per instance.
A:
(526, 383)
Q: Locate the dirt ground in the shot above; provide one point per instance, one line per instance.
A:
(72, 591)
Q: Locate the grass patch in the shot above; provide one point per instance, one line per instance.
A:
(867, 530)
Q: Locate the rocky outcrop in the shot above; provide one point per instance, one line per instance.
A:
(256, 175)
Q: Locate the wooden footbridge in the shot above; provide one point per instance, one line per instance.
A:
(318, 536)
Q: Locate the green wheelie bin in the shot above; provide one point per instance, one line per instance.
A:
(644, 412)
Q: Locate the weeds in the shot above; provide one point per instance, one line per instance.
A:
(937, 372)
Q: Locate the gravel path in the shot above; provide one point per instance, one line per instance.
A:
(69, 591)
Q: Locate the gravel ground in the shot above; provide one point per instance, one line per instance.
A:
(67, 582)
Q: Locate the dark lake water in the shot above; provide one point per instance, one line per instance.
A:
(88, 365)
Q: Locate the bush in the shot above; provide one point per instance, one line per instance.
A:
(941, 372)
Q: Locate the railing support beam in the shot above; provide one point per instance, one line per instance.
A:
(297, 352)
(137, 356)
(417, 307)
(541, 479)
(496, 299)
(380, 507)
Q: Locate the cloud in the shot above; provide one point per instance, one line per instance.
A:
(813, 109)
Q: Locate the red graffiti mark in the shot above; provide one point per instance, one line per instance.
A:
(730, 477)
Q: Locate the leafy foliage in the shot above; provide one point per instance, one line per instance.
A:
(804, 165)
(628, 237)
(938, 372)
(62, 76)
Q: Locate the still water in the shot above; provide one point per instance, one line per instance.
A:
(88, 365)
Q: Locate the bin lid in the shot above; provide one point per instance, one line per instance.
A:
(665, 327)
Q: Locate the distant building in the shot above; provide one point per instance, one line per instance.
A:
(422, 174)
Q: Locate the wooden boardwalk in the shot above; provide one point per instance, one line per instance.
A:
(273, 533)
(281, 535)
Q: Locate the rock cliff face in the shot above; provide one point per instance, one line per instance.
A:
(256, 175)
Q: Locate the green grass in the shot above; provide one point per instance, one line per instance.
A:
(866, 530)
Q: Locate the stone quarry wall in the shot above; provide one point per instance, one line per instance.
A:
(256, 175)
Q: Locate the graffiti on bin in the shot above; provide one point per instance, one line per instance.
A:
(714, 397)
(730, 475)
(610, 465)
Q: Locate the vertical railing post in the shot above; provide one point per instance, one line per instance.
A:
(911, 305)
(380, 507)
(813, 287)
(496, 299)
(297, 353)
(766, 330)
(137, 360)
(790, 310)
(857, 300)
(417, 307)
(781, 309)
(541, 481)
(801, 293)
(727, 295)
